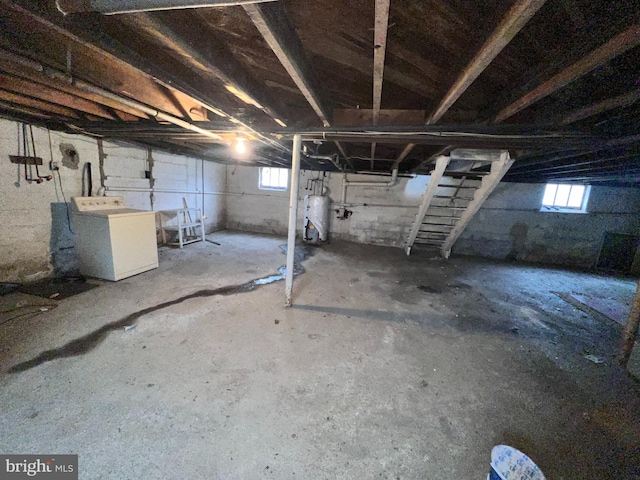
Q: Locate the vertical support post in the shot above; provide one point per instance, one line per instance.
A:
(293, 217)
(631, 329)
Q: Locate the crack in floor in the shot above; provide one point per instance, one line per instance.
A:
(86, 343)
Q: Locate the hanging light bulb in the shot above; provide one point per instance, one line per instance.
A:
(240, 146)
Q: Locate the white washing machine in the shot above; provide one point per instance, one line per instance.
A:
(113, 242)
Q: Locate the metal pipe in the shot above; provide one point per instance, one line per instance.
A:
(293, 216)
(379, 205)
(137, 105)
(346, 184)
(113, 7)
(383, 174)
(331, 158)
(150, 190)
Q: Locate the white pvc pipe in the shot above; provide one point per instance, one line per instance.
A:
(293, 215)
(346, 184)
(150, 190)
(113, 7)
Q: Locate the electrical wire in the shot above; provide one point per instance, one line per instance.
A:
(358, 157)
(65, 202)
(55, 184)
(443, 134)
(60, 181)
(35, 312)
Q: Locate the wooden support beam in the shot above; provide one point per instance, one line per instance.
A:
(364, 117)
(114, 7)
(319, 43)
(405, 152)
(616, 46)
(579, 161)
(489, 183)
(23, 113)
(604, 106)
(515, 19)
(8, 65)
(274, 25)
(41, 92)
(379, 52)
(443, 151)
(90, 35)
(626, 142)
(630, 166)
(579, 166)
(436, 175)
(212, 59)
(37, 104)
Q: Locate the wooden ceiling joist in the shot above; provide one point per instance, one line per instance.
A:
(47, 94)
(89, 87)
(381, 26)
(218, 62)
(583, 164)
(91, 36)
(515, 19)
(620, 101)
(37, 105)
(114, 7)
(109, 76)
(274, 25)
(628, 142)
(7, 65)
(23, 110)
(379, 52)
(616, 46)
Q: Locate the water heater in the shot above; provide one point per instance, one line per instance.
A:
(316, 219)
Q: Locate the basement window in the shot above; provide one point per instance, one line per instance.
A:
(565, 198)
(273, 178)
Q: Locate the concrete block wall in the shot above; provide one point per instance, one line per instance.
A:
(381, 215)
(511, 226)
(201, 184)
(36, 240)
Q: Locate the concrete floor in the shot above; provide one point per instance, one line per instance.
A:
(386, 367)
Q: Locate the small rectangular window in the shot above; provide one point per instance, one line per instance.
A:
(273, 178)
(565, 198)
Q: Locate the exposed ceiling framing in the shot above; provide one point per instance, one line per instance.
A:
(533, 77)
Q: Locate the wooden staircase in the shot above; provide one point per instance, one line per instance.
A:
(452, 198)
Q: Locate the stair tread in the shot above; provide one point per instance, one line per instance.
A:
(447, 206)
(454, 198)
